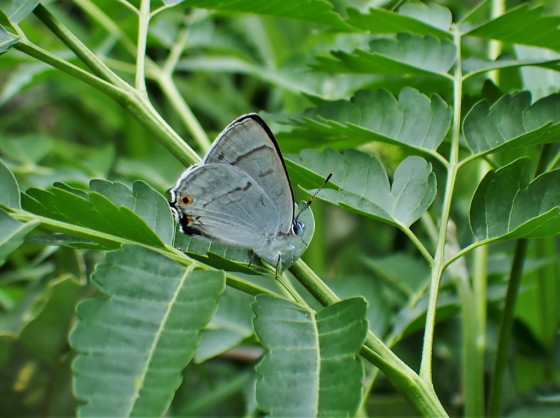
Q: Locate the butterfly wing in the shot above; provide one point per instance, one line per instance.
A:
(224, 203)
(248, 143)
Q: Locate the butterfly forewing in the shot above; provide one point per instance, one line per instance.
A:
(248, 144)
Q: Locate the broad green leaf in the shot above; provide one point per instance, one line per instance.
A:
(311, 366)
(512, 121)
(413, 120)
(10, 196)
(12, 234)
(407, 54)
(113, 215)
(508, 205)
(229, 326)
(522, 25)
(361, 184)
(416, 18)
(316, 11)
(17, 10)
(135, 339)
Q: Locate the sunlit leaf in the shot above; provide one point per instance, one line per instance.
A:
(311, 366)
(523, 25)
(317, 11)
(512, 121)
(416, 18)
(135, 339)
(413, 120)
(407, 54)
(360, 183)
(508, 205)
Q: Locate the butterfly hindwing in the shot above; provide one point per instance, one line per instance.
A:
(248, 143)
(224, 203)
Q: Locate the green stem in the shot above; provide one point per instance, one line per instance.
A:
(506, 324)
(439, 262)
(81, 51)
(143, 24)
(415, 389)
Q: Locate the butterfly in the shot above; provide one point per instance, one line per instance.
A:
(240, 195)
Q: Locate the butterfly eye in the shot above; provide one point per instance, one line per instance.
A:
(298, 227)
(186, 199)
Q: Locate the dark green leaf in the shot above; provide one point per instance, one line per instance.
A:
(408, 54)
(12, 234)
(115, 211)
(511, 122)
(416, 18)
(10, 196)
(316, 11)
(523, 25)
(362, 185)
(134, 341)
(414, 120)
(311, 366)
(507, 205)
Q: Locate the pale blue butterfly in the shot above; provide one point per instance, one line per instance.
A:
(240, 195)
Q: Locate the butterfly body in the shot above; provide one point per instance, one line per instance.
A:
(240, 195)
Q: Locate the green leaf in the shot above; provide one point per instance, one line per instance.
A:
(316, 11)
(362, 185)
(17, 10)
(311, 366)
(507, 205)
(7, 40)
(12, 234)
(407, 54)
(113, 216)
(414, 120)
(134, 341)
(416, 18)
(229, 326)
(522, 25)
(511, 122)
(10, 195)
(473, 66)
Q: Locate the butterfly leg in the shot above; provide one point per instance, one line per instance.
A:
(252, 259)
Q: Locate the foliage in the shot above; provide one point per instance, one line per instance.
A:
(436, 240)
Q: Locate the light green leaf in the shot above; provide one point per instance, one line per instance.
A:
(507, 205)
(17, 10)
(7, 40)
(473, 66)
(311, 366)
(522, 25)
(407, 54)
(10, 196)
(413, 120)
(511, 122)
(316, 11)
(134, 341)
(360, 183)
(416, 18)
(12, 234)
(111, 211)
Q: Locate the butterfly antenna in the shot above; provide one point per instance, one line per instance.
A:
(310, 201)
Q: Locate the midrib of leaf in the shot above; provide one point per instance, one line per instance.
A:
(158, 334)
